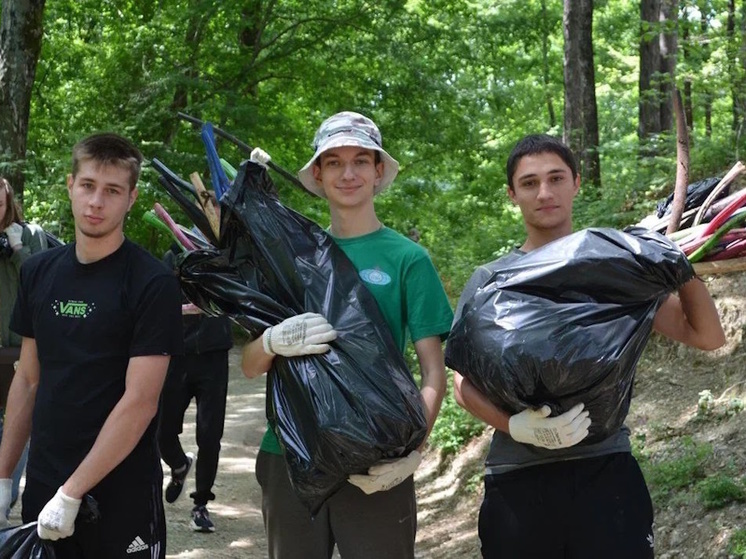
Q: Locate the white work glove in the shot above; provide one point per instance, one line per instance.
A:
(299, 335)
(387, 474)
(14, 232)
(258, 155)
(535, 427)
(57, 518)
(6, 494)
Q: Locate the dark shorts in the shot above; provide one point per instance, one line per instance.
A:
(131, 524)
(575, 509)
(377, 526)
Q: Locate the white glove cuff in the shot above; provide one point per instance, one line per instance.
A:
(68, 500)
(267, 341)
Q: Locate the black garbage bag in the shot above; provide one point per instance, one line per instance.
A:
(696, 194)
(335, 414)
(22, 542)
(567, 323)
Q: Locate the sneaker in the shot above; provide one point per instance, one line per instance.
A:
(201, 520)
(175, 486)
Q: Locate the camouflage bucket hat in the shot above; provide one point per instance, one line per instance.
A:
(348, 129)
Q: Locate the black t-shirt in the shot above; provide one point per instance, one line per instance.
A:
(88, 320)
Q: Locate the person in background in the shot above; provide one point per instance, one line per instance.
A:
(18, 241)
(544, 496)
(201, 373)
(97, 320)
(375, 516)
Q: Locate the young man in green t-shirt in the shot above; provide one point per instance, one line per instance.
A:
(374, 516)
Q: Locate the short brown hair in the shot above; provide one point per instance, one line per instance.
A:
(109, 149)
(12, 210)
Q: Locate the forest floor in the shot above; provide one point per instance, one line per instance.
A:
(674, 432)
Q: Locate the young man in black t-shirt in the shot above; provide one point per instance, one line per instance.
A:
(98, 320)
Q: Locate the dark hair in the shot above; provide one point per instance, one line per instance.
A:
(12, 210)
(109, 149)
(534, 144)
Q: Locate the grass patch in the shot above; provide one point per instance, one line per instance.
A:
(737, 544)
(718, 491)
(455, 427)
(666, 477)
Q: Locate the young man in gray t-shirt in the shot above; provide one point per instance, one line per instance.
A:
(545, 496)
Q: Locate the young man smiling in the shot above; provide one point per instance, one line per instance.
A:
(375, 516)
(544, 496)
(99, 320)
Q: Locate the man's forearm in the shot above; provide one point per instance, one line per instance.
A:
(17, 424)
(478, 405)
(119, 435)
(254, 360)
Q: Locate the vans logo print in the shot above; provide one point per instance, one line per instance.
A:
(376, 277)
(73, 309)
(137, 545)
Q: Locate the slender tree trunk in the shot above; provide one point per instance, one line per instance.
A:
(649, 121)
(183, 89)
(704, 27)
(581, 118)
(686, 50)
(741, 123)
(545, 68)
(20, 46)
(668, 42)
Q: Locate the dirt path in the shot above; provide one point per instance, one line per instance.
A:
(237, 510)
(447, 528)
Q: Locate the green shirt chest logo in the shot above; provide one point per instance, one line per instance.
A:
(73, 309)
(376, 277)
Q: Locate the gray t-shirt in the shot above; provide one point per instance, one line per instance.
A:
(505, 454)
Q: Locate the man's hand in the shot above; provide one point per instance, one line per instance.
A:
(258, 155)
(299, 335)
(57, 518)
(6, 494)
(387, 474)
(535, 427)
(14, 232)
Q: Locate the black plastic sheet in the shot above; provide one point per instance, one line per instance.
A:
(335, 414)
(567, 323)
(22, 542)
(696, 194)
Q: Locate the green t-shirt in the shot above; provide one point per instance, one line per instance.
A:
(401, 277)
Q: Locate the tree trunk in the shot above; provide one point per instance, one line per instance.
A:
(581, 118)
(686, 51)
(20, 45)
(704, 27)
(649, 121)
(668, 42)
(545, 68)
(741, 112)
(190, 72)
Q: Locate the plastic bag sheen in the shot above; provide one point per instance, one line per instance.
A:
(22, 542)
(567, 323)
(336, 413)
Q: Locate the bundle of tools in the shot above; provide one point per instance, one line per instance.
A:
(712, 230)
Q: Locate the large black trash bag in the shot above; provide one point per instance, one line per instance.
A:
(336, 413)
(567, 323)
(22, 542)
(696, 194)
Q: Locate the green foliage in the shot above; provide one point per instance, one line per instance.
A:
(665, 477)
(454, 427)
(718, 491)
(452, 85)
(737, 543)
